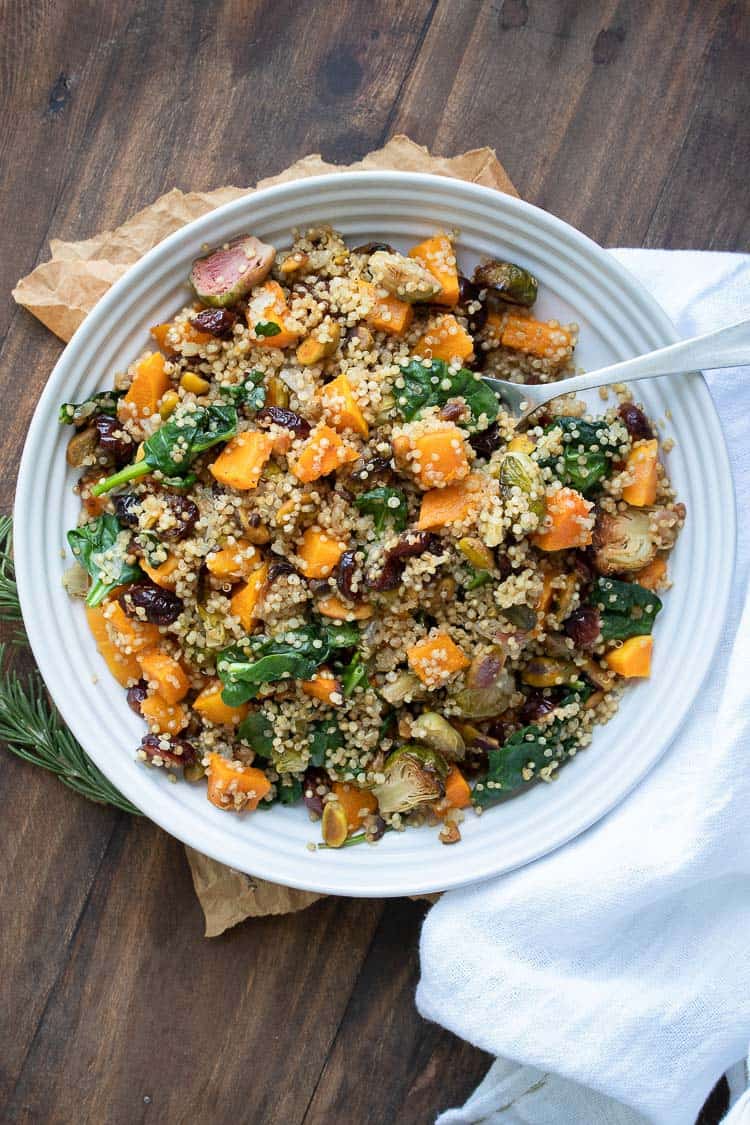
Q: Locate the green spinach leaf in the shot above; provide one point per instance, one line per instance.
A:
(323, 736)
(588, 451)
(267, 328)
(173, 448)
(249, 394)
(384, 504)
(625, 609)
(256, 729)
(76, 413)
(100, 547)
(434, 385)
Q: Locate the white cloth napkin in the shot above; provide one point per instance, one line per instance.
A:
(615, 973)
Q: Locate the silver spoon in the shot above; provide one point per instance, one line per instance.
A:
(726, 347)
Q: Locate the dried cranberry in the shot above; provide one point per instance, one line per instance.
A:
(486, 441)
(180, 752)
(536, 707)
(452, 411)
(635, 421)
(373, 247)
(280, 416)
(278, 568)
(371, 468)
(113, 439)
(314, 778)
(413, 543)
(468, 294)
(162, 607)
(216, 322)
(583, 626)
(126, 509)
(185, 514)
(345, 573)
(504, 566)
(389, 577)
(378, 830)
(136, 696)
(584, 568)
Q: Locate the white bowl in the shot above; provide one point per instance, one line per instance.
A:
(618, 319)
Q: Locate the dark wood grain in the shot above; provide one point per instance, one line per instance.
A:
(630, 119)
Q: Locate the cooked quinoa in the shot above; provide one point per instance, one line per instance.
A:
(324, 564)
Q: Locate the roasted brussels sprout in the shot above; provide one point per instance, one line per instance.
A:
(413, 775)
(436, 732)
(226, 275)
(405, 686)
(405, 278)
(509, 282)
(623, 542)
(521, 470)
(522, 616)
(488, 687)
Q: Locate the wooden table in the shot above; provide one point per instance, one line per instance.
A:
(630, 120)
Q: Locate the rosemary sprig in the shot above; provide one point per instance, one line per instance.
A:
(29, 726)
(10, 607)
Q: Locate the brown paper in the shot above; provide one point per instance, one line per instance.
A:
(63, 290)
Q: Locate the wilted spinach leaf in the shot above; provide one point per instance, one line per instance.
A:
(100, 547)
(435, 385)
(256, 729)
(323, 736)
(625, 609)
(588, 450)
(105, 402)
(384, 504)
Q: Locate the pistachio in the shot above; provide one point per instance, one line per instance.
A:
(320, 344)
(277, 393)
(194, 772)
(476, 552)
(405, 278)
(437, 732)
(519, 470)
(334, 826)
(542, 672)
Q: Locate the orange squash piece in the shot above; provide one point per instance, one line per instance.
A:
(132, 636)
(322, 453)
(211, 706)
(442, 457)
(149, 383)
(241, 462)
(234, 787)
(341, 407)
(166, 673)
(632, 659)
(186, 333)
(164, 575)
(123, 666)
(163, 717)
(654, 575)
(436, 659)
(641, 465)
(387, 314)
(457, 793)
(438, 255)
(244, 603)
(332, 606)
(567, 522)
(320, 552)
(536, 337)
(445, 339)
(274, 311)
(443, 506)
(323, 686)
(231, 564)
(356, 803)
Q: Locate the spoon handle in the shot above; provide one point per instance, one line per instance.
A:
(725, 347)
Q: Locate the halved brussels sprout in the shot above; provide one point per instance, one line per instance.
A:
(226, 275)
(291, 761)
(623, 542)
(437, 732)
(508, 281)
(405, 278)
(413, 775)
(518, 469)
(488, 687)
(406, 685)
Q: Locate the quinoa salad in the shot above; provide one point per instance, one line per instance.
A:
(325, 565)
